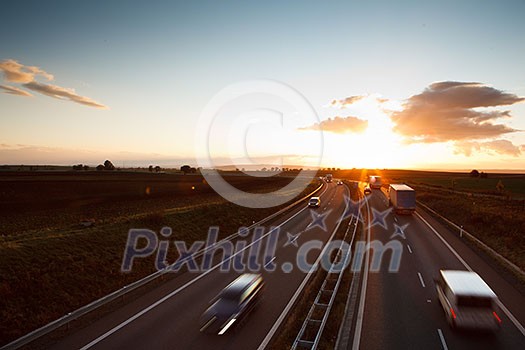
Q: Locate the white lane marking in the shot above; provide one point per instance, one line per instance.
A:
(227, 326)
(178, 290)
(421, 280)
(409, 249)
(362, 297)
(299, 290)
(395, 218)
(442, 338)
(269, 262)
(506, 311)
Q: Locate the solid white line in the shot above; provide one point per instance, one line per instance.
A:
(227, 326)
(442, 338)
(409, 249)
(269, 262)
(178, 290)
(361, 309)
(299, 290)
(421, 280)
(506, 311)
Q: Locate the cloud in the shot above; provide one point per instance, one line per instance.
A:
(14, 91)
(340, 125)
(63, 94)
(346, 101)
(445, 112)
(502, 147)
(15, 72)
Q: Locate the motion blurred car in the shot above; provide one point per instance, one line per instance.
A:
(368, 190)
(467, 300)
(233, 304)
(339, 182)
(314, 202)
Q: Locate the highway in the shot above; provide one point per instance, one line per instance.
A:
(400, 310)
(168, 316)
(395, 310)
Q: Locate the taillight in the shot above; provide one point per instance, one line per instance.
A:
(496, 316)
(453, 313)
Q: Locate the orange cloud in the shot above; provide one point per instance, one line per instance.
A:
(343, 103)
(340, 125)
(14, 91)
(15, 72)
(445, 112)
(63, 94)
(502, 147)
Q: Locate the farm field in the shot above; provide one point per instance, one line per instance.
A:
(51, 265)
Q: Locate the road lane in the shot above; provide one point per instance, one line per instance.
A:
(401, 309)
(175, 322)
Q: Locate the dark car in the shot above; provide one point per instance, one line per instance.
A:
(232, 304)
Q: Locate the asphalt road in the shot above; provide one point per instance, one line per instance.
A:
(168, 316)
(401, 310)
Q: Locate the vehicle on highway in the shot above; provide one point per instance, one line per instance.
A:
(233, 304)
(367, 190)
(467, 300)
(329, 177)
(314, 202)
(375, 181)
(339, 183)
(402, 198)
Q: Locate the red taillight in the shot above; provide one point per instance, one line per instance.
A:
(496, 316)
(453, 313)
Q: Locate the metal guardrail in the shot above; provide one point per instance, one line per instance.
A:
(315, 325)
(462, 231)
(71, 316)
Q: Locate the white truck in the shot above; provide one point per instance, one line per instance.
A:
(375, 181)
(402, 198)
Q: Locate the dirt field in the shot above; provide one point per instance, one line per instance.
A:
(51, 265)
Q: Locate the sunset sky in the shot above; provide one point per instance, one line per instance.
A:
(395, 84)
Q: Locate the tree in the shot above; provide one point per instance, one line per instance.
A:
(185, 169)
(108, 165)
(78, 167)
(150, 168)
(157, 169)
(474, 173)
(483, 175)
(86, 167)
(100, 167)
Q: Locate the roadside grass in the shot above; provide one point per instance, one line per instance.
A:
(47, 273)
(498, 223)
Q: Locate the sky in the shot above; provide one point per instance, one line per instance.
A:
(404, 84)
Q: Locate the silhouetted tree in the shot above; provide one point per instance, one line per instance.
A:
(78, 167)
(150, 168)
(100, 167)
(157, 169)
(474, 173)
(483, 175)
(108, 165)
(86, 167)
(185, 169)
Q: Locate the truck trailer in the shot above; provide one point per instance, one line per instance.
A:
(402, 198)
